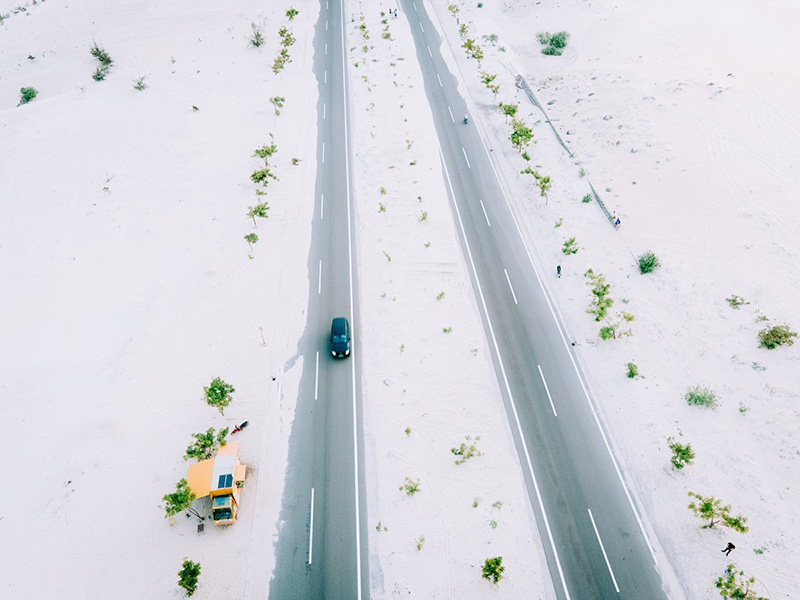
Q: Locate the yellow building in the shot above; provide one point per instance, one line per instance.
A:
(222, 478)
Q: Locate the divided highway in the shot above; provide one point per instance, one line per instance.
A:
(594, 540)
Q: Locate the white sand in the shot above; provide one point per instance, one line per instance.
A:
(120, 304)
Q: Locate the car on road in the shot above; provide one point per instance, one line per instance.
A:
(340, 337)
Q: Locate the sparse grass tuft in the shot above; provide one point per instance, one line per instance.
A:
(701, 396)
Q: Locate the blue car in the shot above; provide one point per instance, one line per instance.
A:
(340, 337)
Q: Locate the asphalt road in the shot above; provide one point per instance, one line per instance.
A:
(321, 551)
(593, 538)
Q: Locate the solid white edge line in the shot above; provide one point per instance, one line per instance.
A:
(484, 214)
(572, 359)
(316, 379)
(465, 157)
(451, 114)
(352, 320)
(547, 389)
(505, 380)
(319, 283)
(511, 287)
(608, 564)
(311, 531)
(321, 205)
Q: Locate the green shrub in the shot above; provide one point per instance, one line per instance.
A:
(633, 370)
(259, 210)
(206, 444)
(710, 509)
(181, 499)
(277, 102)
(27, 94)
(736, 585)
(648, 262)
(493, 569)
(701, 396)
(772, 337)
(736, 301)
(188, 575)
(554, 42)
(682, 454)
(100, 54)
(569, 246)
(292, 13)
(411, 486)
(100, 73)
(586, 198)
(257, 38)
(251, 238)
(139, 84)
(218, 394)
(466, 452)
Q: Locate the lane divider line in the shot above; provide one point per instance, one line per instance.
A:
(311, 531)
(608, 564)
(511, 287)
(547, 389)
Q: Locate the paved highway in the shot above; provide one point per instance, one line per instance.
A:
(321, 551)
(595, 543)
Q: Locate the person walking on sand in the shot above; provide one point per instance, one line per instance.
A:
(728, 548)
(558, 271)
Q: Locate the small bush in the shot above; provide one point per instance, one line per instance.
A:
(586, 198)
(648, 262)
(736, 585)
(420, 542)
(682, 454)
(559, 222)
(188, 575)
(277, 102)
(493, 569)
(710, 509)
(554, 42)
(218, 394)
(569, 246)
(772, 337)
(411, 486)
(701, 396)
(257, 37)
(292, 13)
(466, 452)
(736, 301)
(251, 238)
(100, 54)
(633, 370)
(259, 210)
(206, 445)
(100, 73)
(139, 84)
(27, 94)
